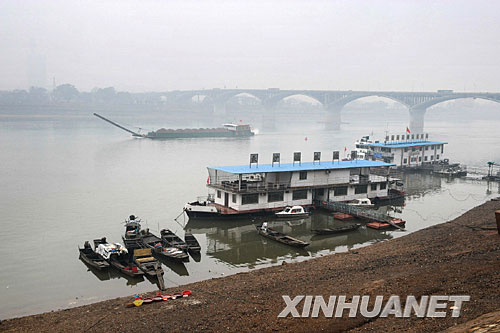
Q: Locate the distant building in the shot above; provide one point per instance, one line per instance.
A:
(406, 151)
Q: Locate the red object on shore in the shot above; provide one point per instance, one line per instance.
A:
(382, 225)
(342, 216)
(497, 216)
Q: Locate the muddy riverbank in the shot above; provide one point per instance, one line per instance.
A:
(460, 257)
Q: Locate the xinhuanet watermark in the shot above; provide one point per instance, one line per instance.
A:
(436, 306)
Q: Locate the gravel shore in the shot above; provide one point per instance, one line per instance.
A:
(460, 257)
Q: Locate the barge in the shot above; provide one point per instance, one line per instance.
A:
(245, 191)
(227, 130)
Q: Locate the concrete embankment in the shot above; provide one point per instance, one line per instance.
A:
(460, 257)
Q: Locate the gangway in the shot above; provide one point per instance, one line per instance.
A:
(357, 211)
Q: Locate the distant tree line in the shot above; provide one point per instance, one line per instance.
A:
(69, 94)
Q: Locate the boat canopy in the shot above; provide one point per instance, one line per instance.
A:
(106, 250)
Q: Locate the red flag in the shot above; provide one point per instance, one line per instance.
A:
(345, 149)
(208, 180)
(407, 130)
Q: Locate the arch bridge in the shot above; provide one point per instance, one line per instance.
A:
(333, 101)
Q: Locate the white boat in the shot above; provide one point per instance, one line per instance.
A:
(365, 202)
(294, 211)
(362, 147)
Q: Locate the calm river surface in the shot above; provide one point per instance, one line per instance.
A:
(69, 178)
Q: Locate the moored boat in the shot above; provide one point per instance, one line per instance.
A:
(172, 240)
(192, 243)
(336, 230)
(147, 263)
(364, 202)
(88, 255)
(290, 212)
(280, 237)
(156, 244)
(117, 256)
(383, 225)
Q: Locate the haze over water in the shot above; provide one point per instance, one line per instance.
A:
(71, 177)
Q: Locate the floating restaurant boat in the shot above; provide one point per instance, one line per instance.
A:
(227, 130)
(248, 190)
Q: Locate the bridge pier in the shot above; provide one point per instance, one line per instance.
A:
(219, 109)
(417, 116)
(269, 118)
(333, 117)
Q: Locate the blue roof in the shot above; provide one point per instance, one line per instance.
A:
(406, 144)
(245, 169)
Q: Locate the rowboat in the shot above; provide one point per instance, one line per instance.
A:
(337, 230)
(192, 243)
(172, 240)
(117, 256)
(280, 237)
(161, 249)
(88, 255)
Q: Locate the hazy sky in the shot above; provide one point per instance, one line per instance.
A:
(167, 45)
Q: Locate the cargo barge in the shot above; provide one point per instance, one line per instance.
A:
(227, 130)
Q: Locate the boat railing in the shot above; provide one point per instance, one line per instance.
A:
(246, 187)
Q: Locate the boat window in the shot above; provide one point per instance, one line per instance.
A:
(340, 191)
(360, 189)
(303, 175)
(437, 157)
(432, 157)
(406, 149)
(405, 161)
(248, 199)
(425, 158)
(234, 198)
(373, 187)
(383, 186)
(287, 209)
(219, 195)
(442, 149)
(275, 196)
(420, 158)
(299, 195)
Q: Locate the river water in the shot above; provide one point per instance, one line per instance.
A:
(70, 177)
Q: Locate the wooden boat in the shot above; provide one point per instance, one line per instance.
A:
(336, 230)
(280, 237)
(342, 216)
(161, 249)
(147, 263)
(383, 225)
(88, 255)
(192, 243)
(172, 240)
(295, 211)
(117, 256)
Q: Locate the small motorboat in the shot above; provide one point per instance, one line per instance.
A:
(192, 243)
(365, 202)
(132, 227)
(88, 255)
(172, 240)
(295, 211)
(336, 230)
(280, 237)
(117, 256)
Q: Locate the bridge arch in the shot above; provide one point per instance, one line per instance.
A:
(340, 103)
(274, 100)
(436, 101)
